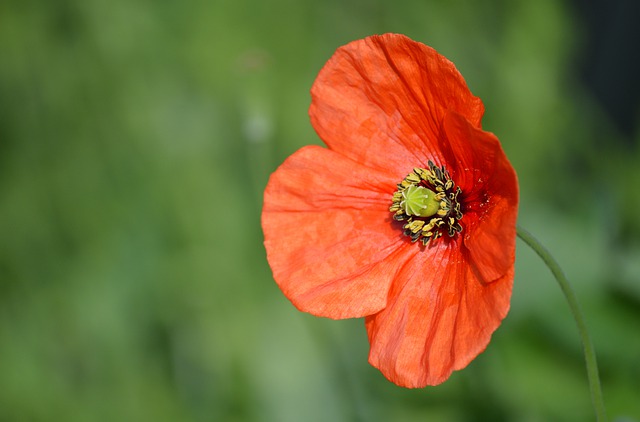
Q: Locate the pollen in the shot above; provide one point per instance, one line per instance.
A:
(427, 203)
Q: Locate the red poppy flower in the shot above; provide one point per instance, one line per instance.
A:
(407, 218)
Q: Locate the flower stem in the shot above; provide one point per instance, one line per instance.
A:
(589, 353)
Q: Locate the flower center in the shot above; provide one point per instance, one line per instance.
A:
(427, 202)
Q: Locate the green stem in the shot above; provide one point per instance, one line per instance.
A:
(589, 353)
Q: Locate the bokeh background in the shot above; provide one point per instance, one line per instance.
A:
(136, 138)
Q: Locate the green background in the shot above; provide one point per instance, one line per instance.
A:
(136, 138)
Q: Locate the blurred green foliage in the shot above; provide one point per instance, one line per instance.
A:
(136, 138)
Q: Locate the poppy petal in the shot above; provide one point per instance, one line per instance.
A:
(328, 234)
(381, 100)
(439, 318)
(490, 186)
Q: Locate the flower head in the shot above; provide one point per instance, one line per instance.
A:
(406, 219)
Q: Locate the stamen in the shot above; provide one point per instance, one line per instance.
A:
(427, 202)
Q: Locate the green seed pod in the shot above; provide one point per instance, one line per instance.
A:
(419, 201)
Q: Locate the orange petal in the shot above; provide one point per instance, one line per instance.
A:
(490, 188)
(328, 234)
(381, 100)
(439, 318)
